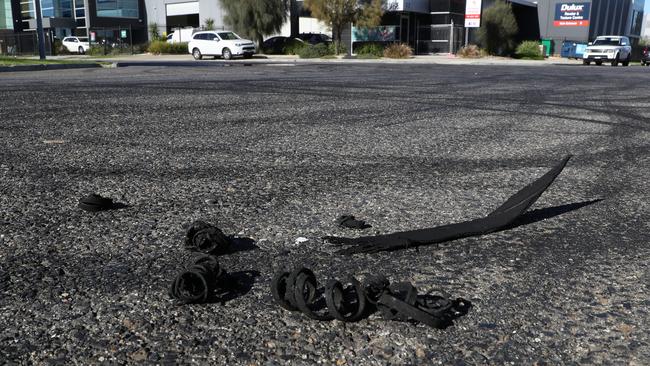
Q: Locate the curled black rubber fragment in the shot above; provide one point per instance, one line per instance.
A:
(200, 282)
(351, 301)
(205, 238)
(94, 202)
(350, 222)
(498, 219)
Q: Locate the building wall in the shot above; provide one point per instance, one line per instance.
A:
(606, 17)
(645, 32)
(6, 17)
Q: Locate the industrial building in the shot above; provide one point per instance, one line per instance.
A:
(429, 26)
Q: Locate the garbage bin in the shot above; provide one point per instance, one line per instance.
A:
(580, 49)
(548, 47)
(568, 49)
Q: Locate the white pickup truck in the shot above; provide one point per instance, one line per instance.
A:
(611, 49)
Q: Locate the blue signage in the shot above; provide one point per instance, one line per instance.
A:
(572, 14)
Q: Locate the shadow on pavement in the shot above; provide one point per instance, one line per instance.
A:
(548, 212)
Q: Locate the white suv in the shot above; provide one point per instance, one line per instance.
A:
(612, 49)
(215, 43)
(76, 44)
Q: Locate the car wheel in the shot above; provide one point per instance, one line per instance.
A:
(599, 63)
(81, 50)
(627, 60)
(585, 62)
(615, 61)
(196, 53)
(227, 55)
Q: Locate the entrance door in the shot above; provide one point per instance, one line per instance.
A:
(404, 29)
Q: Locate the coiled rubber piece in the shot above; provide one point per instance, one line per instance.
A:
(206, 238)
(351, 301)
(199, 282)
(94, 202)
(347, 304)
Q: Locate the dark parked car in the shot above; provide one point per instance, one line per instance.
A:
(315, 38)
(278, 45)
(645, 56)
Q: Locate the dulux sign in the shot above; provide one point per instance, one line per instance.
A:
(572, 14)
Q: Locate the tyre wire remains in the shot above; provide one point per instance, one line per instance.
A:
(352, 301)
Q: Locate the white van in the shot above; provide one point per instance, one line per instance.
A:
(180, 35)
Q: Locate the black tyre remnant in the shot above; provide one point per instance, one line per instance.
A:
(498, 219)
(205, 238)
(200, 282)
(298, 291)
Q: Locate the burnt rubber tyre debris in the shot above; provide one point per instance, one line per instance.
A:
(351, 301)
(200, 283)
(350, 222)
(94, 202)
(498, 219)
(205, 238)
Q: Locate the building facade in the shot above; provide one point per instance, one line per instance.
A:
(105, 20)
(428, 26)
(584, 20)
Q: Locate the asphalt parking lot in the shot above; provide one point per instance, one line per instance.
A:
(276, 152)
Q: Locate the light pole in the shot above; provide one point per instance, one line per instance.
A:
(39, 30)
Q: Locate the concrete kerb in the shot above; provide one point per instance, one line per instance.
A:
(433, 60)
(147, 60)
(47, 67)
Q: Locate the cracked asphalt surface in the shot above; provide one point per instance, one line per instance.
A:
(274, 153)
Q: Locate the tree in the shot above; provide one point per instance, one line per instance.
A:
(255, 18)
(498, 29)
(153, 32)
(337, 13)
(208, 24)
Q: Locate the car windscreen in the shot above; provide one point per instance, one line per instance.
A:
(228, 36)
(607, 42)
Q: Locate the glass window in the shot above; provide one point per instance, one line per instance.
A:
(117, 8)
(607, 42)
(64, 8)
(6, 19)
(228, 35)
(211, 36)
(80, 13)
(27, 10)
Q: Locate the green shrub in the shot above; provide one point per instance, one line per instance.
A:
(331, 47)
(95, 50)
(59, 49)
(498, 29)
(163, 47)
(315, 51)
(471, 51)
(154, 33)
(370, 50)
(140, 48)
(529, 50)
(398, 50)
(293, 47)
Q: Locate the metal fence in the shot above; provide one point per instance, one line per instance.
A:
(23, 44)
(443, 38)
(111, 41)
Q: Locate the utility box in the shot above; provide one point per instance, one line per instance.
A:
(548, 47)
